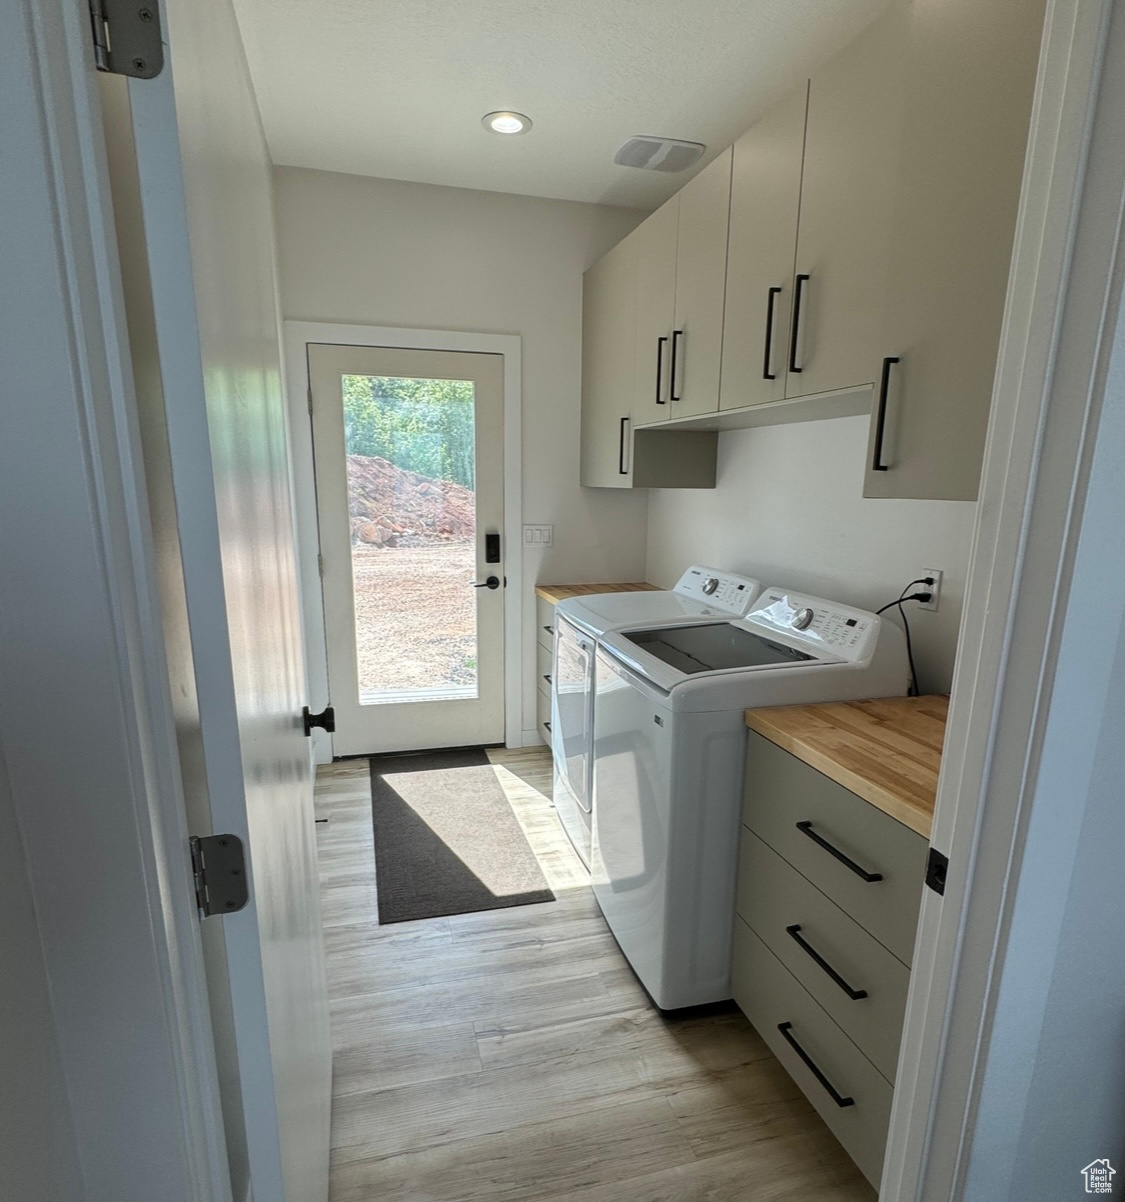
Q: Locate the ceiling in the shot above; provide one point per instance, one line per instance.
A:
(397, 89)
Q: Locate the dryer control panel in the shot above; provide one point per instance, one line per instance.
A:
(849, 633)
(724, 592)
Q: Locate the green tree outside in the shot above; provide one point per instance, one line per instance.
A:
(423, 426)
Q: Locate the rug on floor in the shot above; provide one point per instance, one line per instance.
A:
(446, 839)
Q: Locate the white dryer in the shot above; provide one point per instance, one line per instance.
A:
(701, 593)
(669, 758)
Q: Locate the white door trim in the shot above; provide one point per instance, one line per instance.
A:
(1044, 419)
(88, 737)
(297, 335)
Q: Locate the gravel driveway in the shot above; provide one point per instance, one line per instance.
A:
(415, 616)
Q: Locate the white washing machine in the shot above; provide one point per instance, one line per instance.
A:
(700, 593)
(669, 758)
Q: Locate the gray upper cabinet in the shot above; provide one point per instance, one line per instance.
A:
(971, 68)
(847, 197)
(609, 318)
(614, 455)
(855, 241)
(764, 199)
(701, 266)
(655, 307)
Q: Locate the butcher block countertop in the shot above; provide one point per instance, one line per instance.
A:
(560, 592)
(888, 751)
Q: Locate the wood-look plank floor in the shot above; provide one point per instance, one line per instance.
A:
(510, 1054)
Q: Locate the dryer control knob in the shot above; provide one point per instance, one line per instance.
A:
(802, 619)
(710, 585)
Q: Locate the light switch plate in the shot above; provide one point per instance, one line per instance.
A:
(537, 536)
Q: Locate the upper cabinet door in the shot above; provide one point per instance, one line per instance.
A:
(701, 268)
(847, 195)
(655, 307)
(972, 73)
(609, 309)
(764, 199)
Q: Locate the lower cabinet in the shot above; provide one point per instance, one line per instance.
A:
(544, 653)
(829, 888)
(844, 1087)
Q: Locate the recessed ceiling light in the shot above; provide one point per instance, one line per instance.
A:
(506, 122)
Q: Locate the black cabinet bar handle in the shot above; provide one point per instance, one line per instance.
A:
(877, 464)
(786, 1029)
(547, 678)
(767, 361)
(659, 368)
(806, 829)
(794, 932)
(549, 629)
(546, 725)
(676, 336)
(621, 468)
(798, 292)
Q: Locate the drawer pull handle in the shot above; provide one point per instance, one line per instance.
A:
(547, 677)
(794, 932)
(785, 1029)
(549, 629)
(806, 829)
(546, 726)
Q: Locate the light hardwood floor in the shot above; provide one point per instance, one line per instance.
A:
(510, 1054)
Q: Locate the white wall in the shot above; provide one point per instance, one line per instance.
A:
(789, 509)
(381, 252)
(37, 1149)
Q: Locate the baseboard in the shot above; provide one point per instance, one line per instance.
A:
(531, 738)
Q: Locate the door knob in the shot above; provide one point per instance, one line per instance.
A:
(491, 582)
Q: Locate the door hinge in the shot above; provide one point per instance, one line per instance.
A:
(310, 400)
(218, 863)
(320, 565)
(127, 39)
(936, 868)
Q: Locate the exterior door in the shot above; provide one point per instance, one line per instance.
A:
(191, 183)
(408, 447)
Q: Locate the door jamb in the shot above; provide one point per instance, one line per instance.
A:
(297, 335)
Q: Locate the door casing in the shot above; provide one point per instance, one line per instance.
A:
(518, 660)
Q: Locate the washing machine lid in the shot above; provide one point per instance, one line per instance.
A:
(700, 593)
(786, 632)
(713, 647)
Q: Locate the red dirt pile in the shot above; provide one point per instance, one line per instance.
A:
(391, 507)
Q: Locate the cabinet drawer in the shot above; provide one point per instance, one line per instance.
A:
(544, 725)
(773, 898)
(545, 622)
(543, 706)
(543, 668)
(782, 792)
(770, 996)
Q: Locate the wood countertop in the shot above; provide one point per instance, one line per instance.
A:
(888, 751)
(560, 592)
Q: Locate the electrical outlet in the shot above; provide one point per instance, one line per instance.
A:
(933, 589)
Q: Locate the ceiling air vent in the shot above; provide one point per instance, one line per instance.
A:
(658, 154)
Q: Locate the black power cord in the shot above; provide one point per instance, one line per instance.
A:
(900, 601)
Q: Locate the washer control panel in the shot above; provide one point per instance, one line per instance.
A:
(844, 631)
(722, 592)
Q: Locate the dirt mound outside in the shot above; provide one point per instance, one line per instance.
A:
(390, 506)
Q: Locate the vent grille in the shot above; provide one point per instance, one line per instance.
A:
(658, 154)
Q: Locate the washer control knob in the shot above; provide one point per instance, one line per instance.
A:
(710, 585)
(802, 619)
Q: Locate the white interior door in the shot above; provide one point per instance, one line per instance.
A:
(192, 195)
(408, 446)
